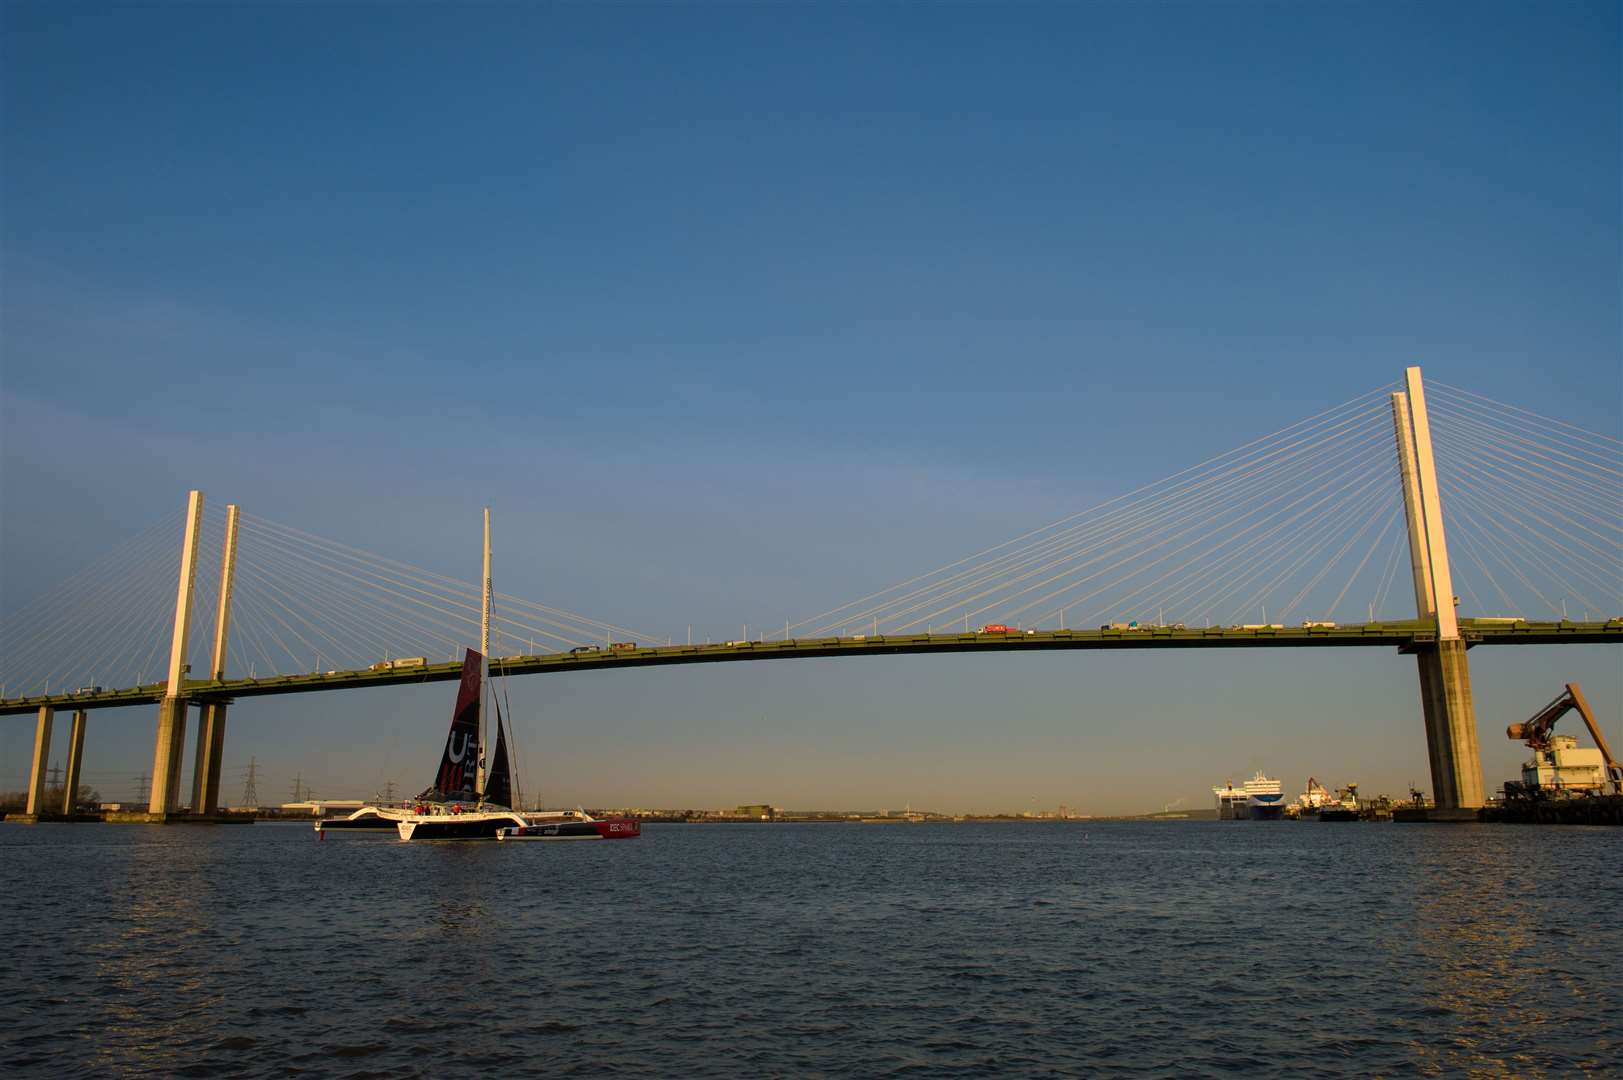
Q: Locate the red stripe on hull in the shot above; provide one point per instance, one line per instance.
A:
(619, 829)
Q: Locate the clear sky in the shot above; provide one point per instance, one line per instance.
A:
(733, 312)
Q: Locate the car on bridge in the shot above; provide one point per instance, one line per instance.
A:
(579, 649)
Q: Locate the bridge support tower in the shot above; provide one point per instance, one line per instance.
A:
(36, 774)
(171, 738)
(211, 726)
(76, 760)
(1445, 676)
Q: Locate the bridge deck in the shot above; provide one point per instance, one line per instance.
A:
(1405, 636)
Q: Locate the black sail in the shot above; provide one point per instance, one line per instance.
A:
(499, 780)
(457, 778)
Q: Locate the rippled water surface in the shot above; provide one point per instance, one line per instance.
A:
(841, 950)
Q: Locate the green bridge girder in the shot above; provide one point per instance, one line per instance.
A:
(1404, 636)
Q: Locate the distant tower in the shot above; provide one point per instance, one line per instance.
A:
(299, 791)
(250, 791)
(143, 784)
(388, 792)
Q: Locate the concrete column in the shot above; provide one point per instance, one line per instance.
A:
(211, 725)
(1464, 757)
(166, 754)
(76, 751)
(42, 752)
(206, 771)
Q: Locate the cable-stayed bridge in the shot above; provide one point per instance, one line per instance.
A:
(1326, 533)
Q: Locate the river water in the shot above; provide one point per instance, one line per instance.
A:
(991, 950)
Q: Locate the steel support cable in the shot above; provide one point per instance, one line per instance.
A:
(1542, 524)
(357, 633)
(1482, 431)
(1532, 475)
(247, 565)
(1210, 573)
(137, 549)
(243, 625)
(1470, 540)
(1582, 454)
(1293, 566)
(1226, 496)
(562, 616)
(468, 614)
(1581, 489)
(1532, 485)
(440, 586)
(1281, 434)
(570, 636)
(1502, 487)
(1119, 533)
(90, 593)
(1325, 510)
(1258, 514)
(1377, 602)
(96, 619)
(1092, 534)
(1541, 500)
(1464, 581)
(1312, 583)
(1580, 565)
(1373, 547)
(1498, 549)
(42, 659)
(248, 587)
(356, 639)
(1504, 406)
(275, 579)
(358, 596)
(90, 638)
(1219, 567)
(434, 599)
(467, 617)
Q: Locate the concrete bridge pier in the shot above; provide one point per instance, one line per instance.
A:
(42, 752)
(206, 768)
(1445, 685)
(166, 756)
(76, 754)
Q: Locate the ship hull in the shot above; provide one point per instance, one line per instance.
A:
(611, 829)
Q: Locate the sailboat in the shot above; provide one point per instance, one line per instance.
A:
(469, 801)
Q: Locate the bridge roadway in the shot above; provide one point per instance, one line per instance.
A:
(1404, 636)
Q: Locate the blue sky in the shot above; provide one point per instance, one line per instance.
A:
(732, 312)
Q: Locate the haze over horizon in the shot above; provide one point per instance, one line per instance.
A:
(732, 314)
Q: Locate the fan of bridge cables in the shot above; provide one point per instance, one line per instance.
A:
(1303, 525)
(1534, 507)
(300, 603)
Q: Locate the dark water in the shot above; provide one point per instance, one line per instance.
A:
(842, 950)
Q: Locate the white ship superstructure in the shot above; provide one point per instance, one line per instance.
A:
(1258, 799)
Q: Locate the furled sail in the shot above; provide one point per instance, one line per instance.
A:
(499, 780)
(459, 764)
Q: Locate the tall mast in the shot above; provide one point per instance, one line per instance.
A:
(484, 659)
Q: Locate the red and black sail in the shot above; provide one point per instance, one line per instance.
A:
(459, 765)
